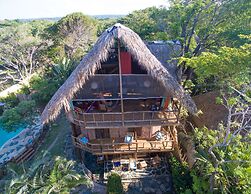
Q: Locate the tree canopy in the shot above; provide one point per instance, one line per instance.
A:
(73, 35)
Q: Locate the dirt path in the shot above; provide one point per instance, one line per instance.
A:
(97, 188)
(53, 143)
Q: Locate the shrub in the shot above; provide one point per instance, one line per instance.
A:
(11, 119)
(43, 89)
(11, 100)
(18, 116)
(46, 176)
(232, 174)
(114, 185)
(182, 180)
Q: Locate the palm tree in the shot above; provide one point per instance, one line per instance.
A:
(62, 70)
(19, 184)
(60, 179)
(58, 176)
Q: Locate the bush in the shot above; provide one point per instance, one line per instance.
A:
(182, 180)
(114, 185)
(18, 116)
(232, 175)
(11, 100)
(43, 89)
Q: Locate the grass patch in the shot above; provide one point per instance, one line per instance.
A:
(54, 142)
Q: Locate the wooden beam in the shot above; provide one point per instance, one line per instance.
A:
(120, 86)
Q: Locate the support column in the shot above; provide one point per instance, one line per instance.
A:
(120, 86)
(75, 133)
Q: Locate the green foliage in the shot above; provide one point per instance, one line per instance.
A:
(114, 184)
(44, 86)
(20, 50)
(72, 36)
(229, 66)
(149, 23)
(11, 119)
(182, 179)
(18, 116)
(11, 100)
(57, 176)
(43, 89)
(104, 24)
(231, 174)
(62, 70)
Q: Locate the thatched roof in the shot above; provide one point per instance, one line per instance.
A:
(99, 53)
(164, 51)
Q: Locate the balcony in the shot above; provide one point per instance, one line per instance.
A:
(118, 146)
(126, 119)
(140, 93)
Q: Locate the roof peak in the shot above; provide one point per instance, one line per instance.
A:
(115, 26)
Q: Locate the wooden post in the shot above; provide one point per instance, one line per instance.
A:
(75, 134)
(120, 86)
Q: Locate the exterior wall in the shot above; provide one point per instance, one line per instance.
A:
(126, 62)
(148, 132)
(114, 133)
(145, 132)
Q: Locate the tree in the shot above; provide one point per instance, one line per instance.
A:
(104, 24)
(19, 51)
(43, 86)
(150, 23)
(204, 25)
(223, 163)
(72, 35)
(226, 66)
(199, 25)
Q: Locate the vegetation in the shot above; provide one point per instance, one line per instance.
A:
(18, 116)
(58, 176)
(114, 184)
(72, 36)
(20, 50)
(223, 155)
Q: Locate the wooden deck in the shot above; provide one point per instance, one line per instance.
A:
(118, 146)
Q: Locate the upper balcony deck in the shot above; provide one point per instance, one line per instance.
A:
(136, 114)
(102, 103)
(126, 119)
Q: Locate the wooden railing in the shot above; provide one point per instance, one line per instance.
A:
(136, 146)
(128, 119)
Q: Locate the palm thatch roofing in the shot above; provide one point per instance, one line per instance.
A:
(164, 51)
(99, 53)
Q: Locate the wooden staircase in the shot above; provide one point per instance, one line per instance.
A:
(26, 155)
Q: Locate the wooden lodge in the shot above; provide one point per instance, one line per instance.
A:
(122, 99)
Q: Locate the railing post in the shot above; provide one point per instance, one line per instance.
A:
(84, 116)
